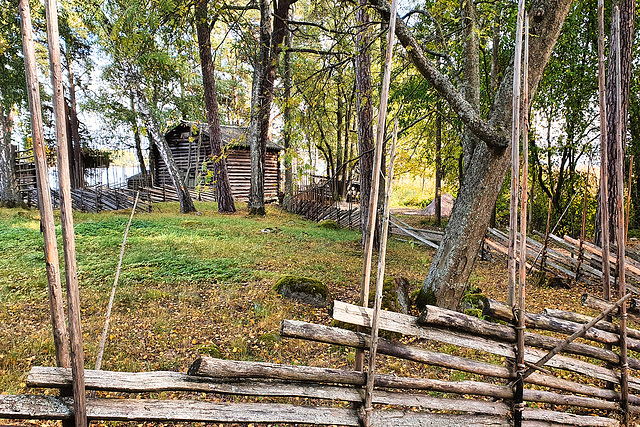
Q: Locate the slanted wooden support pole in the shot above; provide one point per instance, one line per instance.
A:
(560, 347)
(514, 283)
(60, 337)
(375, 178)
(628, 207)
(604, 158)
(515, 160)
(377, 305)
(66, 216)
(584, 226)
(620, 238)
(107, 321)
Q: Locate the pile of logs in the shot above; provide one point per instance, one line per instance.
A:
(568, 257)
(484, 401)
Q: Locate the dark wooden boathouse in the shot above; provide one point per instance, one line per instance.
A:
(189, 143)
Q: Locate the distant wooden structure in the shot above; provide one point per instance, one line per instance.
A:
(191, 151)
(25, 174)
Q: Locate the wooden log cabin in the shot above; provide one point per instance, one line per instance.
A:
(190, 150)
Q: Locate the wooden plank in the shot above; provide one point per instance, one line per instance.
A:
(174, 381)
(582, 318)
(47, 407)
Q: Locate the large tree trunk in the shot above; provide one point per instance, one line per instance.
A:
(364, 109)
(186, 204)
(627, 9)
(8, 189)
(286, 132)
(262, 97)
(487, 163)
(258, 151)
(220, 175)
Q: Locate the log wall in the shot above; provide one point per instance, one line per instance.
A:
(190, 153)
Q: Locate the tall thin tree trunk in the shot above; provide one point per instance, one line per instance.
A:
(627, 12)
(364, 108)
(78, 169)
(138, 140)
(221, 177)
(286, 133)
(438, 195)
(8, 189)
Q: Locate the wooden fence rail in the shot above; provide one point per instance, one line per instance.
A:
(573, 388)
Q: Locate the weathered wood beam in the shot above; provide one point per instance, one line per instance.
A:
(583, 318)
(396, 322)
(598, 303)
(576, 335)
(48, 407)
(338, 336)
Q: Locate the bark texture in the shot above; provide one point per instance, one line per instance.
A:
(220, 174)
(258, 149)
(364, 113)
(486, 165)
(264, 76)
(627, 9)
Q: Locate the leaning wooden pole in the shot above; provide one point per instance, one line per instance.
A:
(66, 217)
(520, 329)
(377, 304)
(622, 288)
(375, 178)
(107, 317)
(60, 337)
(628, 207)
(604, 159)
(583, 229)
(515, 160)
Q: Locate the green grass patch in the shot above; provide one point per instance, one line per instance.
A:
(189, 285)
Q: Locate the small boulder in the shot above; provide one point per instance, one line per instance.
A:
(396, 295)
(329, 224)
(304, 289)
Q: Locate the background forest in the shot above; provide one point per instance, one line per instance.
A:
(315, 93)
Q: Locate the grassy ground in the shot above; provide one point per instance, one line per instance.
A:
(202, 284)
(190, 285)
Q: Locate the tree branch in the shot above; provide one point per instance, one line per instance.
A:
(495, 138)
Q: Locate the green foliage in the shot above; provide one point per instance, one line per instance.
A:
(12, 78)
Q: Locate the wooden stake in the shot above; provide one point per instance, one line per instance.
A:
(620, 240)
(520, 329)
(66, 217)
(584, 226)
(627, 210)
(377, 305)
(375, 179)
(60, 338)
(515, 160)
(604, 158)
